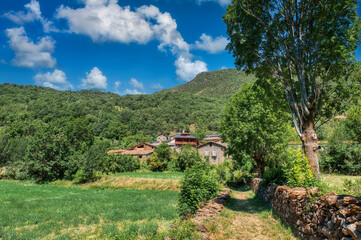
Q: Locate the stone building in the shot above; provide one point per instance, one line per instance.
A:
(216, 152)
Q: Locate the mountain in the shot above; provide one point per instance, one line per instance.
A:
(222, 83)
(197, 104)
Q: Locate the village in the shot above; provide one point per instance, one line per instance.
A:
(211, 147)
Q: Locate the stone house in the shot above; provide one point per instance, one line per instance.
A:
(216, 152)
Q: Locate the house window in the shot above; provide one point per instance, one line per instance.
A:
(214, 153)
(206, 153)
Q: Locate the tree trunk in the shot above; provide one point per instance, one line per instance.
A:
(260, 165)
(310, 146)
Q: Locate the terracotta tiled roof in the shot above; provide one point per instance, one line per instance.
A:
(116, 151)
(132, 152)
(138, 152)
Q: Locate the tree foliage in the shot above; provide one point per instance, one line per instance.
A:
(254, 127)
(307, 46)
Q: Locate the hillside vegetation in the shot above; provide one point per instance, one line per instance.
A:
(199, 102)
(220, 83)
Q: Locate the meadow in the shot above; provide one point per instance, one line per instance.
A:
(32, 211)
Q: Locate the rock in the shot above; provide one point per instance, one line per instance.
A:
(330, 224)
(350, 230)
(358, 226)
(325, 231)
(331, 200)
(351, 210)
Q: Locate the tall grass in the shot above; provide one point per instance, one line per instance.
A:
(30, 211)
(155, 175)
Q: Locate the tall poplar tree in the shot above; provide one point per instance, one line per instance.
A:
(308, 46)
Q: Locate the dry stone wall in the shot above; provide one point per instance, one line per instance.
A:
(329, 216)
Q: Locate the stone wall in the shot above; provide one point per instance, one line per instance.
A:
(329, 216)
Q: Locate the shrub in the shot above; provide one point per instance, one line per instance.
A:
(274, 175)
(188, 157)
(298, 172)
(123, 163)
(155, 163)
(342, 158)
(173, 165)
(197, 187)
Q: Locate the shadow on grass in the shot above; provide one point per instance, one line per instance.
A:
(252, 204)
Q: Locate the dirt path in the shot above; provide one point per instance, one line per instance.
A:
(246, 217)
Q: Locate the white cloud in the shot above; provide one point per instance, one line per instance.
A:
(29, 54)
(105, 20)
(157, 86)
(33, 13)
(211, 45)
(132, 91)
(187, 70)
(56, 79)
(136, 84)
(117, 84)
(165, 30)
(221, 2)
(94, 80)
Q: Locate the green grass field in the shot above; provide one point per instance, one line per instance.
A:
(154, 175)
(31, 211)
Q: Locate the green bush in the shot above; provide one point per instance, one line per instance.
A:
(298, 172)
(341, 158)
(173, 165)
(122, 163)
(274, 175)
(198, 186)
(155, 163)
(188, 157)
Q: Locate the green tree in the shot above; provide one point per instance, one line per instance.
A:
(188, 157)
(164, 152)
(253, 127)
(308, 46)
(353, 122)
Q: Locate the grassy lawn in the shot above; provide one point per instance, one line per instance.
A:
(336, 181)
(153, 175)
(31, 211)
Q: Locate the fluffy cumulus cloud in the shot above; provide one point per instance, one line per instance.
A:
(221, 2)
(94, 80)
(138, 87)
(29, 54)
(56, 79)
(105, 20)
(187, 69)
(211, 45)
(132, 92)
(157, 86)
(136, 84)
(33, 13)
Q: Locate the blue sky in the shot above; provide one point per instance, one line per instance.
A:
(125, 46)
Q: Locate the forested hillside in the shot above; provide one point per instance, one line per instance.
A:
(199, 102)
